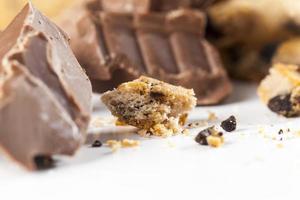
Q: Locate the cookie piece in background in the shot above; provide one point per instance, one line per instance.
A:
(248, 33)
(151, 105)
(45, 96)
(280, 90)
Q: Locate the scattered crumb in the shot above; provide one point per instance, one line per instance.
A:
(261, 130)
(215, 141)
(114, 145)
(102, 121)
(127, 143)
(212, 116)
(186, 132)
(198, 124)
(171, 145)
(279, 145)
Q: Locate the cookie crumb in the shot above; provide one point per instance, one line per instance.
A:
(279, 146)
(114, 145)
(98, 122)
(212, 116)
(229, 124)
(127, 143)
(197, 124)
(215, 141)
(171, 145)
(186, 132)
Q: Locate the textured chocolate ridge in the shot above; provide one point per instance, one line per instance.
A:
(144, 6)
(168, 46)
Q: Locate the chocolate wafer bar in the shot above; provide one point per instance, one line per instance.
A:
(169, 46)
(45, 96)
(145, 6)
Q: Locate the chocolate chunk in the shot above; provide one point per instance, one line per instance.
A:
(97, 143)
(144, 6)
(169, 46)
(45, 96)
(281, 105)
(229, 124)
(44, 162)
(201, 138)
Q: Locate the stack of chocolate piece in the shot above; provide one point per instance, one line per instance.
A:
(45, 96)
(119, 40)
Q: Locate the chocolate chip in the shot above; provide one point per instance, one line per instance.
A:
(229, 124)
(97, 143)
(44, 162)
(201, 138)
(281, 104)
(157, 96)
(280, 132)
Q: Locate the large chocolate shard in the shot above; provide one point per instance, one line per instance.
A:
(45, 98)
(117, 47)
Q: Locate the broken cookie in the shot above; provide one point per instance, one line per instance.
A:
(151, 105)
(280, 90)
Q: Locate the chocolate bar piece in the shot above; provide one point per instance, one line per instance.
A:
(144, 6)
(45, 96)
(119, 47)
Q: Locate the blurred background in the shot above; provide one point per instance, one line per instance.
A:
(9, 8)
(249, 34)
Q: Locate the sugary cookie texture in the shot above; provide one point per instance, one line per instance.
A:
(151, 105)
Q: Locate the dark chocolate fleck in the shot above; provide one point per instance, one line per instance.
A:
(229, 124)
(280, 132)
(44, 162)
(158, 96)
(97, 143)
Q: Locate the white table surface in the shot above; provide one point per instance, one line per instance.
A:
(249, 166)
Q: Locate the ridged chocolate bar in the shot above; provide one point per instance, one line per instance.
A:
(144, 6)
(119, 47)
